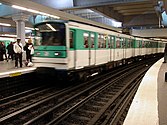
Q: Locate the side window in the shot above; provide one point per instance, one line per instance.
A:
(132, 43)
(149, 45)
(92, 39)
(146, 44)
(105, 41)
(101, 41)
(123, 42)
(112, 41)
(137, 43)
(71, 40)
(143, 44)
(129, 43)
(86, 36)
(118, 42)
(140, 44)
(109, 41)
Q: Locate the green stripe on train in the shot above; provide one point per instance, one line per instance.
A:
(51, 54)
(45, 48)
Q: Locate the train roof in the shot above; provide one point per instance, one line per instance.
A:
(93, 25)
(67, 21)
(57, 21)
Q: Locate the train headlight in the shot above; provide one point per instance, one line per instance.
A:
(57, 53)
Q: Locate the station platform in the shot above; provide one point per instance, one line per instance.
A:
(7, 69)
(149, 106)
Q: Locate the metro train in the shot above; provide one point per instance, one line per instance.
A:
(71, 49)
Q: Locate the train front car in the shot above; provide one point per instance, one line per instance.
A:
(50, 55)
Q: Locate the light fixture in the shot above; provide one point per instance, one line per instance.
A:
(5, 24)
(36, 28)
(50, 26)
(34, 11)
(29, 28)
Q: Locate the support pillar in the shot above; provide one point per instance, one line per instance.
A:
(20, 20)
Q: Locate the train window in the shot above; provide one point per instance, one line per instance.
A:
(129, 43)
(112, 42)
(86, 36)
(132, 43)
(147, 44)
(140, 44)
(123, 42)
(137, 43)
(105, 41)
(37, 41)
(71, 39)
(143, 44)
(161, 45)
(92, 39)
(118, 42)
(151, 44)
(109, 42)
(52, 34)
(101, 41)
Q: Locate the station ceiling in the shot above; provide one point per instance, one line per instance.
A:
(132, 13)
(140, 14)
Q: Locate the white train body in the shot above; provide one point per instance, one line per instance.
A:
(87, 49)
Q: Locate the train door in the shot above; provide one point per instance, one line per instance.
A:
(89, 45)
(128, 48)
(72, 54)
(92, 50)
(140, 46)
(123, 47)
(111, 40)
(133, 47)
(109, 46)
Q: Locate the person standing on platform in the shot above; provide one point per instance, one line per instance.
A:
(165, 54)
(18, 49)
(29, 48)
(4, 51)
(10, 50)
(1, 51)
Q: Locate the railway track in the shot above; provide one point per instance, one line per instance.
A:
(66, 103)
(95, 108)
(12, 85)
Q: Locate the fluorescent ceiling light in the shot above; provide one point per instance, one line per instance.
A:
(34, 11)
(5, 24)
(29, 28)
(50, 26)
(10, 35)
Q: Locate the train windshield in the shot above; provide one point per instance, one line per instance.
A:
(51, 34)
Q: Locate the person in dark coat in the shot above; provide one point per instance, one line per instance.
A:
(28, 48)
(4, 51)
(10, 50)
(1, 51)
